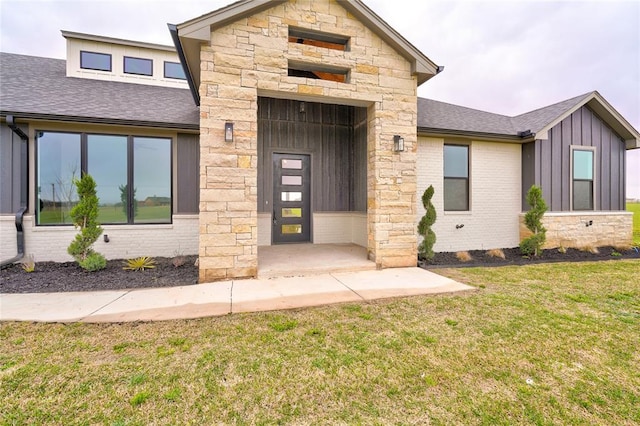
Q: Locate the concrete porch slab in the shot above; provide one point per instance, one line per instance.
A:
(289, 260)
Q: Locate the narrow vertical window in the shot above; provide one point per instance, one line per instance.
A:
(456, 178)
(58, 164)
(583, 179)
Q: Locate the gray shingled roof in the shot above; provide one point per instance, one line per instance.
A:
(441, 116)
(37, 87)
(34, 87)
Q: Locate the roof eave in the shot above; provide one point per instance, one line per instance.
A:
(423, 67)
(478, 136)
(100, 120)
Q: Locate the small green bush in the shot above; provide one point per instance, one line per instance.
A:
(93, 262)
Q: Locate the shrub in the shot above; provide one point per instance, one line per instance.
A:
(93, 262)
(496, 253)
(139, 264)
(29, 264)
(84, 216)
(463, 256)
(533, 220)
(424, 227)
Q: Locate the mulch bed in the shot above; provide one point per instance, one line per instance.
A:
(50, 277)
(513, 256)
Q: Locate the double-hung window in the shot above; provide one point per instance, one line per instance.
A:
(582, 160)
(456, 177)
(132, 174)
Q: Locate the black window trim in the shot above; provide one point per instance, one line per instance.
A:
(467, 179)
(97, 53)
(164, 69)
(593, 151)
(130, 173)
(124, 65)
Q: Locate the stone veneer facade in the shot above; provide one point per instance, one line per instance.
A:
(585, 229)
(249, 58)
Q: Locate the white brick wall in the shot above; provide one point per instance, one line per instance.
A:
(340, 228)
(495, 188)
(264, 229)
(126, 241)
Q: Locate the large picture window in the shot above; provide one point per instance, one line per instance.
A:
(456, 178)
(132, 174)
(583, 179)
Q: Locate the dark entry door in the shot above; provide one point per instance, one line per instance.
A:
(291, 198)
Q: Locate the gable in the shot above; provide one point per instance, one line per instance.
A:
(320, 15)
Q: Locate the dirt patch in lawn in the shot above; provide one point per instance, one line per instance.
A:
(513, 256)
(51, 277)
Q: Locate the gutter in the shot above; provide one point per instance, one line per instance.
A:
(173, 29)
(24, 177)
(521, 137)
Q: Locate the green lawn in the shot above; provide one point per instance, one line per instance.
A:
(635, 208)
(544, 344)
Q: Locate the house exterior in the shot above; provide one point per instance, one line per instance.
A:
(278, 122)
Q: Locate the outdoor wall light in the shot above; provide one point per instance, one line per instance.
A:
(228, 131)
(398, 143)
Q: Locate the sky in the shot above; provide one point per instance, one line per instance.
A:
(506, 57)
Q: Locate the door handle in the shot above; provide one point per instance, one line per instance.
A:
(275, 221)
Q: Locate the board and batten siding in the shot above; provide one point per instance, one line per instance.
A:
(188, 173)
(325, 131)
(10, 169)
(547, 163)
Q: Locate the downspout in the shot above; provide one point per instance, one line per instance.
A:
(24, 177)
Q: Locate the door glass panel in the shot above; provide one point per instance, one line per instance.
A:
(291, 196)
(292, 212)
(292, 180)
(292, 229)
(291, 164)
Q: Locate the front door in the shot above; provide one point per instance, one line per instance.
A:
(291, 198)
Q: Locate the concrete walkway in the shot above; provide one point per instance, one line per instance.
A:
(221, 298)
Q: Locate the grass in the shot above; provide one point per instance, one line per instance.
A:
(539, 344)
(635, 208)
(111, 214)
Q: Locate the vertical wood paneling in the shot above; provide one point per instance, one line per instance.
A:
(603, 178)
(10, 169)
(528, 171)
(188, 173)
(326, 132)
(556, 171)
(552, 162)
